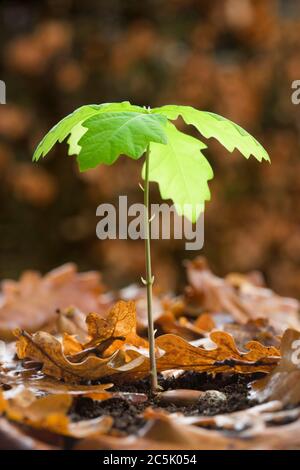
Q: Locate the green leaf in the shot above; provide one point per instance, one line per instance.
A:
(75, 135)
(111, 134)
(181, 171)
(64, 127)
(229, 134)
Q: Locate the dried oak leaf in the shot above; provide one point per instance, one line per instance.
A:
(117, 328)
(47, 349)
(254, 419)
(62, 388)
(284, 381)
(176, 353)
(31, 302)
(128, 358)
(242, 299)
(256, 428)
(159, 434)
(50, 413)
(259, 330)
(72, 321)
(266, 426)
(182, 327)
(139, 296)
(225, 357)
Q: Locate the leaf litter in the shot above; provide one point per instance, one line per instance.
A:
(99, 362)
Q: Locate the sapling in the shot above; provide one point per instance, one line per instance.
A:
(101, 133)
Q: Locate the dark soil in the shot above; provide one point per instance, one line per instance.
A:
(127, 415)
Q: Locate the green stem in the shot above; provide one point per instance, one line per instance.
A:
(149, 278)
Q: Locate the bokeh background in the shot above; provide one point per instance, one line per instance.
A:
(234, 57)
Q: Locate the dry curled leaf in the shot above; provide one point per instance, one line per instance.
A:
(225, 357)
(259, 330)
(52, 386)
(132, 361)
(243, 299)
(176, 353)
(283, 383)
(50, 413)
(258, 427)
(118, 327)
(181, 326)
(139, 296)
(47, 349)
(72, 321)
(31, 302)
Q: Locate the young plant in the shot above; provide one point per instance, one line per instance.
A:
(101, 133)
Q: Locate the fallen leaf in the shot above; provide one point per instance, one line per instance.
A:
(31, 302)
(244, 300)
(117, 328)
(50, 413)
(173, 352)
(176, 353)
(13, 438)
(259, 330)
(283, 383)
(139, 296)
(259, 427)
(71, 321)
(182, 327)
(71, 345)
(47, 350)
(48, 385)
(205, 322)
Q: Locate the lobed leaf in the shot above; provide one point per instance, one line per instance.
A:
(51, 413)
(283, 383)
(73, 122)
(229, 134)
(111, 134)
(31, 302)
(47, 349)
(181, 171)
(128, 359)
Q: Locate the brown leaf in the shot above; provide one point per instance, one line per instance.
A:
(176, 353)
(46, 384)
(132, 362)
(284, 381)
(31, 302)
(244, 300)
(13, 438)
(119, 326)
(259, 330)
(50, 413)
(225, 356)
(205, 322)
(258, 427)
(72, 321)
(139, 296)
(46, 349)
(182, 327)
(71, 345)
(159, 434)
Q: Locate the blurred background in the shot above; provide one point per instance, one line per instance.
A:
(234, 57)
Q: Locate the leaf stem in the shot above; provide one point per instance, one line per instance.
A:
(149, 278)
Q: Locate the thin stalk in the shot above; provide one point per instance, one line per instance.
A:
(149, 278)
